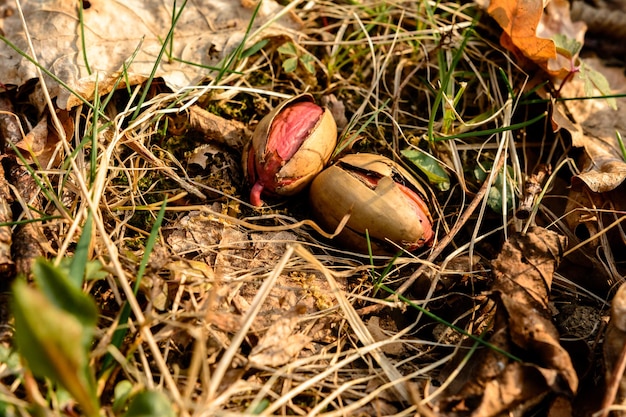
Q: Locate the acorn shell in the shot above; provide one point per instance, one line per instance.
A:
(310, 158)
(383, 210)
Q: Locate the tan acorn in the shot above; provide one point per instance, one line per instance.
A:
(288, 148)
(380, 196)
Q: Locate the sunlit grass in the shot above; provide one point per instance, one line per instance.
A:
(194, 277)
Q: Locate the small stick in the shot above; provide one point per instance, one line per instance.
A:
(532, 188)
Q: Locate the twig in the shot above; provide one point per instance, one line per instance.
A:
(532, 188)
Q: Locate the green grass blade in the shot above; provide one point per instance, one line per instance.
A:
(237, 53)
(81, 23)
(157, 63)
(493, 131)
(48, 73)
(81, 255)
(450, 325)
(445, 80)
(120, 333)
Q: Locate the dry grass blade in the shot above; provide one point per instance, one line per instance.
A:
(358, 326)
(244, 310)
(230, 353)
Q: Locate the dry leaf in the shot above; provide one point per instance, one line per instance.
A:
(227, 248)
(523, 274)
(231, 133)
(614, 351)
(113, 30)
(280, 343)
(519, 21)
(530, 32)
(556, 24)
(378, 334)
(596, 124)
(9, 133)
(29, 243)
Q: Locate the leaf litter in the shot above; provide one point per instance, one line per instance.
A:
(522, 325)
(113, 31)
(260, 312)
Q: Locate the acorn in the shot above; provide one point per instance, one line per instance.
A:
(381, 198)
(288, 148)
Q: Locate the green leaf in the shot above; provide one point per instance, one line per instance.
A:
(95, 271)
(81, 255)
(7, 409)
(9, 359)
(495, 196)
(59, 290)
(52, 341)
(308, 62)
(288, 48)
(290, 64)
(596, 80)
(260, 407)
(122, 392)
(254, 48)
(568, 47)
(429, 166)
(150, 404)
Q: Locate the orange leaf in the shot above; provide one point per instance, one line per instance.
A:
(519, 20)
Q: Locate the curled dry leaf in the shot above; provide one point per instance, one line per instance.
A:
(595, 129)
(29, 242)
(596, 197)
(39, 146)
(9, 132)
(548, 38)
(523, 274)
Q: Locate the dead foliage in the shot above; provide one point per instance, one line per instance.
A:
(239, 310)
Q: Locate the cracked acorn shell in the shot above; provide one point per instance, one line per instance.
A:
(380, 196)
(288, 148)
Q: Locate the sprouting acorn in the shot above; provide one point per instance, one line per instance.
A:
(288, 148)
(381, 198)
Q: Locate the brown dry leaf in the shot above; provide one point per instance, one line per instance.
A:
(9, 133)
(34, 143)
(614, 351)
(231, 133)
(39, 145)
(205, 34)
(282, 342)
(199, 155)
(375, 328)
(231, 252)
(556, 24)
(529, 32)
(523, 274)
(595, 125)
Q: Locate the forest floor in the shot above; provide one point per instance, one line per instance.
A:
(139, 280)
